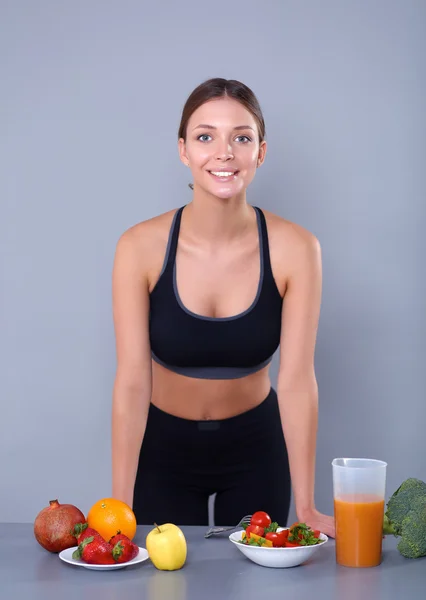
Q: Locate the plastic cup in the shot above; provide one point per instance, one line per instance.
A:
(359, 503)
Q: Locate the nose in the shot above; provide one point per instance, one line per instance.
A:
(224, 152)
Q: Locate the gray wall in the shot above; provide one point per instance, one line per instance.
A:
(92, 94)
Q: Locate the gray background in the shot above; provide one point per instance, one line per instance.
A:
(90, 104)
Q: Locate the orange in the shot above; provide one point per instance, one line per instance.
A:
(108, 516)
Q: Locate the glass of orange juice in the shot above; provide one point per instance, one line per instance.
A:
(359, 504)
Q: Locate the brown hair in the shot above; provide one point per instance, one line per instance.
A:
(219, 88)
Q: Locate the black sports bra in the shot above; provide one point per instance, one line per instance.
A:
(210, 347)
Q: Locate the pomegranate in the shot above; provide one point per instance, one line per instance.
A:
(54, 525)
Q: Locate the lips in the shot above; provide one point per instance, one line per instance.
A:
(224, 178)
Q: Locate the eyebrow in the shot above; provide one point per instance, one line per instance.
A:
(238, 128)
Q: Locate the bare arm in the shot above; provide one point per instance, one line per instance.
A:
(297, 386)
(132, 386)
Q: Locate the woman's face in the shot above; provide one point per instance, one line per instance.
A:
(222, 147)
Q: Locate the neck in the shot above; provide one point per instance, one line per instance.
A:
(214, 219)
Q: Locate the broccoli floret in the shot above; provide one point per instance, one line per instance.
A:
(406, 517)
(413, 531)
(412, 484)
(401, 502)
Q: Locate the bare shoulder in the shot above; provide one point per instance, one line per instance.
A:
(291, 247)
(287, 234)
(146, 243)
(152, 231)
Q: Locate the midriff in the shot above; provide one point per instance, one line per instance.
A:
(207, 399)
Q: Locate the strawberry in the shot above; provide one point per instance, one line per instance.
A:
(94, 552)
(82, 531)
(124, 550)
(118, 537)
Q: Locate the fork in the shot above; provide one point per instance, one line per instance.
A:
(215, 530)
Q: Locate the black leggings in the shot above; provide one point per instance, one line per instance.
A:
(242, 459)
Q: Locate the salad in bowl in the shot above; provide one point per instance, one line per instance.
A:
(266, 543)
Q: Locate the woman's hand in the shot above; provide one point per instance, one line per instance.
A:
(317, 520)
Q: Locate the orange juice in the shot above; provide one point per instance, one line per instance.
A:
(359, 530)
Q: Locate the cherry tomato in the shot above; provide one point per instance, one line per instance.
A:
(278, 538)
(261, 518)
(291, 544)
(317, 533)
(282, 538)
(254, 529)
(273, 537)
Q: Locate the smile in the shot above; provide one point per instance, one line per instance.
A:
(224, 175)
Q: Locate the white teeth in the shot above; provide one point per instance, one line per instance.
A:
(222, 173)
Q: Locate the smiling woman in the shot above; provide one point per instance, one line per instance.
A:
(251, 134)
(198, 310)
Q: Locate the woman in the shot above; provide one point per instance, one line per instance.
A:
(198, 311)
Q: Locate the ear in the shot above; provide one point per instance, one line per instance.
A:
(262, 153)
(182, 152)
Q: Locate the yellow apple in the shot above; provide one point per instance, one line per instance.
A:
(166, 547)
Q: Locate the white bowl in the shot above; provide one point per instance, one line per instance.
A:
(278, 558)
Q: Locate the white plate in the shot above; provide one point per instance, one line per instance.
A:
(66, 556)
(278, 558)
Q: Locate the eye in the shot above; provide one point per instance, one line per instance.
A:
(246, 137)
(203, 135)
